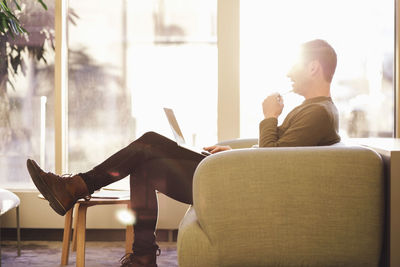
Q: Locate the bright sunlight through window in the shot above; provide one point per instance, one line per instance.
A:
(361, 32)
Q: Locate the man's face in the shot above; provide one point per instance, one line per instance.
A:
(299, 75)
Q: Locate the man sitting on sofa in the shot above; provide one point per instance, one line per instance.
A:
(158, 163)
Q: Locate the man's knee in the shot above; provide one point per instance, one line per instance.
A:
(148, 137)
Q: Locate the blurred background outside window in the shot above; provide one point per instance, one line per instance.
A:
(27, 95)
(130, 59)
(361, 32)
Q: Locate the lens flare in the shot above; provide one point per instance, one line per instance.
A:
(114, 174)
(126, 217)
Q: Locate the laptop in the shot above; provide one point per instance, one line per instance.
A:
(176, 130)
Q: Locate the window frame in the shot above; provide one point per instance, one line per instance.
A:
(396, 70)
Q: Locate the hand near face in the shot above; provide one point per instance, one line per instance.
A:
(273, 106)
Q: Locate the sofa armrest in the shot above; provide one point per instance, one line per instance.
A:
(193, 241)
(240, 143)
(322, 204)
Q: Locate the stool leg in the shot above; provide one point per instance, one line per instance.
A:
(75, 221)
(18, 233)
(129, 234)
(80, 238)
(66, 237)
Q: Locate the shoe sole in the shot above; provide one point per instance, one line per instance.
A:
(44, 189)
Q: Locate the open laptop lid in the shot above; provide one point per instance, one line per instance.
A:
(174, 126)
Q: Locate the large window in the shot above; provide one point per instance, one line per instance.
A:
(362, 33)
(130, 59)
(27, 96)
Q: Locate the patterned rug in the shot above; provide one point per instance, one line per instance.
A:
(98, 254)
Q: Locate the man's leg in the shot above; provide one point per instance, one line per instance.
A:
(173, 177)
(149, 147)
(63, 192)
(154, 163)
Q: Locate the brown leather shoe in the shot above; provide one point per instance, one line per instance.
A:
(61, 192)
(134, 260)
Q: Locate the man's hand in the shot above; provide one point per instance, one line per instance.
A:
(216, 148)
(273, 106)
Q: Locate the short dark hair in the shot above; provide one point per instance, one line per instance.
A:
(323, 52)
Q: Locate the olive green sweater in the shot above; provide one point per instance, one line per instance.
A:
(313, 123)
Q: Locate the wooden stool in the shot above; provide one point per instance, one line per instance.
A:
(79, 237)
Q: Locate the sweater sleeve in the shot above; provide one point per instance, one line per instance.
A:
(307, 128)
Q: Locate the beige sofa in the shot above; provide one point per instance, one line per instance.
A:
(305, 206)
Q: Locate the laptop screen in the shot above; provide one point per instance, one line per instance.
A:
(174, 126)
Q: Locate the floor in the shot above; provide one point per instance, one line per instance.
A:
(98, 254)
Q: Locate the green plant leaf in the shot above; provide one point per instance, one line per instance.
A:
(16, 4)
(4, 24)
(6, 10)
(3, 7)
(43, 4)
(14, 27)
(10, 25)
(21, 29)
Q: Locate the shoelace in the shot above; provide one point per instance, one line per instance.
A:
(126, 259)
(130, 257)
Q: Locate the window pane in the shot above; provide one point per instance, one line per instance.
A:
(362, 33)
(27, 100)
(124, 70)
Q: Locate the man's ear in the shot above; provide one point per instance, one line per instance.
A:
(314, 67)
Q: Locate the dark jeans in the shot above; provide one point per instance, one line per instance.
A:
(154, 163)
